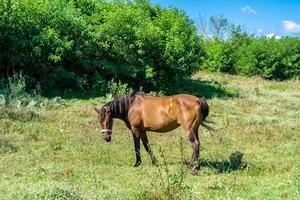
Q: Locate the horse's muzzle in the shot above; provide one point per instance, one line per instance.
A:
(107, 138)
(107, 134)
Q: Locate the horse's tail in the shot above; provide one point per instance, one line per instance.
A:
(205, 111)
(204, 108)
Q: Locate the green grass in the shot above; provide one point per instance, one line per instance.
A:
(60, 154)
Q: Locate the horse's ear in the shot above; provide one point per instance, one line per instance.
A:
(97, 109)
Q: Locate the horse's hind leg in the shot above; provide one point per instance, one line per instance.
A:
(194, 139)
(147, 147)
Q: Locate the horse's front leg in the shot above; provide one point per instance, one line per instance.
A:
(147, 147)
(136, 140)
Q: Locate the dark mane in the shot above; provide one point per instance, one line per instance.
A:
(120, 106)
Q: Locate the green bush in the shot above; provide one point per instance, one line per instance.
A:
(75, 46)
(270, 58)
(79, 45)
(219, 56)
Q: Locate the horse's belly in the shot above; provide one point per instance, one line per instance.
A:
(161, 127)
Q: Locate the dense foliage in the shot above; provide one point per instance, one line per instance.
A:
(82, 44)
(245, 54)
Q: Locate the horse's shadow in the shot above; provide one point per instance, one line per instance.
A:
(235, 162)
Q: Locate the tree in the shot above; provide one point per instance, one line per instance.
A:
(216, 27)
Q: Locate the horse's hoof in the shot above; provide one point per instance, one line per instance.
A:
(194, 171)
(137, 164)
(190, 163)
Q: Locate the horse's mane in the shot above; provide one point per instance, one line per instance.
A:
(120, 106)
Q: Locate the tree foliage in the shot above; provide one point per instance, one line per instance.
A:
(245, 54)
(82, 44)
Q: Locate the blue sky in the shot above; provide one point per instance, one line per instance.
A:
(261, 17)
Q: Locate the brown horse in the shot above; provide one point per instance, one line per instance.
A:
(143, 113)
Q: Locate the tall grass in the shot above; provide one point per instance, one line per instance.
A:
(17, 103)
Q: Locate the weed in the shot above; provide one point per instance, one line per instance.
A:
(171, 185)
(52, 193)
(17, 104)
(7, 146)
(117, 89)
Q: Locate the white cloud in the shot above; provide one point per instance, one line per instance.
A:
(273, 36)
(249, 10)
(290, 26)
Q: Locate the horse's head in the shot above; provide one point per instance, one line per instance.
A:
(105, 119)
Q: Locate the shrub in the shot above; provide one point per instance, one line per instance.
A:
(270, 58)
(81, 45)
(242, 53)
(219, 57)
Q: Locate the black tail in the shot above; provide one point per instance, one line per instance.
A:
(205, 111)
(204, 108)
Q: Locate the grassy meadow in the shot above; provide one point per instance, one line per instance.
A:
(58, 152)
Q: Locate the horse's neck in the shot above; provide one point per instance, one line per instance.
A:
(120, 108)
